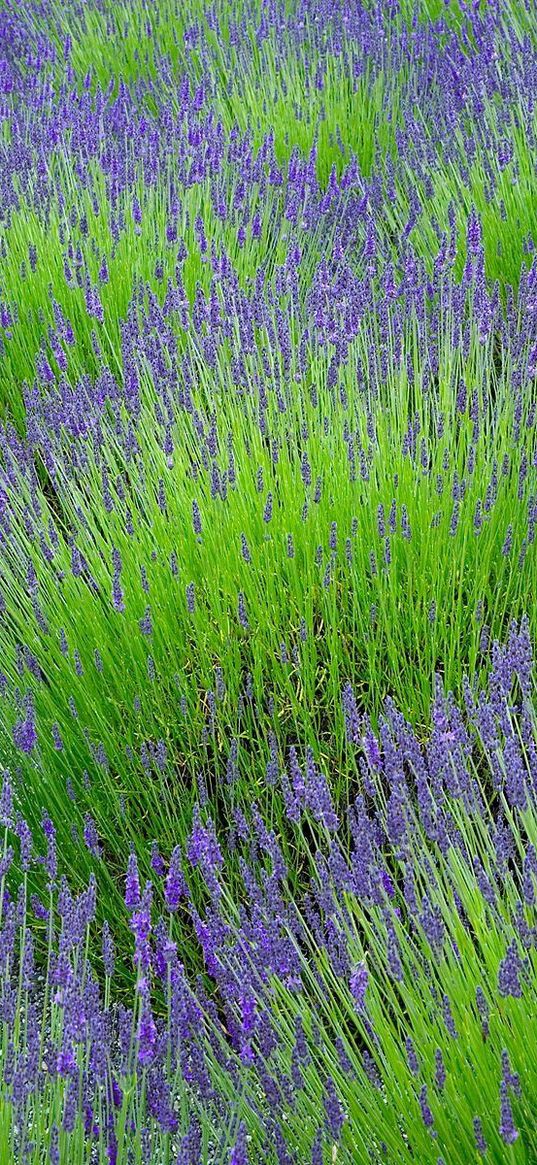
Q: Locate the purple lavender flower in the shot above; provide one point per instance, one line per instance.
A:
(157, 862)
(317, 1157)
(386, 883)
(91, 837)
(433, 925)
(140, 925)
(508, 1131)
(132, 884)
(334, 1113)
(242, 616)
(350, 711)
(117, 593)
(509, 974)
(358, 984)
(372, 750)
(448, 1018)
(54, 1146)
(405, 524)
(440, 1070)
(239, 1152)
(317, 794)
(108, 951)
(25, 735)
(145, 624)
(117, 1093)
(508, 542)
(175, 888)
(474, 233)
(480, 1142)
(203, 848)
(426, 1113)
(411, 1056)
(147, 1036)
(24, 835)
(66, 1061)
(395, 966)
(515, 780)
(39, 910)
(196, 518)
(6, 801)
(511, 1078)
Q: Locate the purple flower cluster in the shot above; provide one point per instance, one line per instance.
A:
(268, 451)
(392, 910)
(265, 374)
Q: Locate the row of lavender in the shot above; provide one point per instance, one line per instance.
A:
(354, 424)
(268, 350)
(100, 182)
(384, 1011)
(377, 541)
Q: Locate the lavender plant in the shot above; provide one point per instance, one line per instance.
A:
(383, 1010)
(268, 349)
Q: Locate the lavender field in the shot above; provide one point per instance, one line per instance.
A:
(268, 582)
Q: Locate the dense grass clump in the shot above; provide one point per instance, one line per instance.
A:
(268, 472)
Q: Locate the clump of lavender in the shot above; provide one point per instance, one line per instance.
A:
(322, 1006)
(268, 349)
(122, 605)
